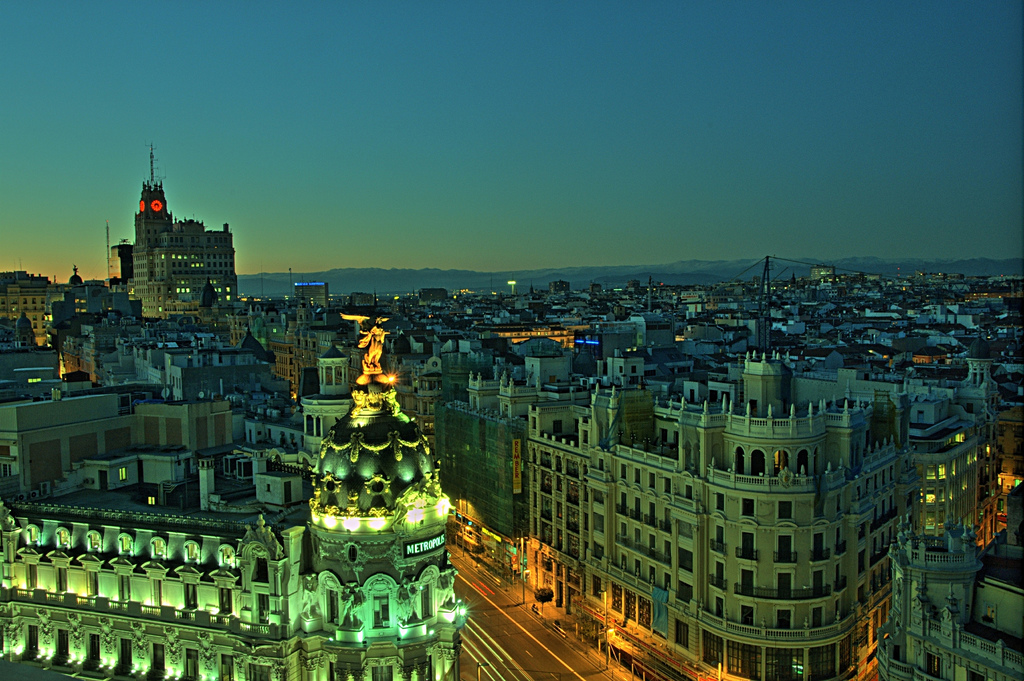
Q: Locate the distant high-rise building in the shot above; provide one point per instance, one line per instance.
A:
(560, 286)
(822, 272)
(430, 295)
(120, 264)
(313, 292)
(173, 260)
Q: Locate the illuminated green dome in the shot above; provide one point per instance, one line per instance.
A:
(369, 458)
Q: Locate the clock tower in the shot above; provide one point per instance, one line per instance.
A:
(173, 260)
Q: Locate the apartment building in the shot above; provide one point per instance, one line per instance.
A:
(754, 537)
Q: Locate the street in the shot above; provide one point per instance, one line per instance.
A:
(505, 640)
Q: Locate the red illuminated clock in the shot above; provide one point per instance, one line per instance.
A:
(157, 206)
(142, 206)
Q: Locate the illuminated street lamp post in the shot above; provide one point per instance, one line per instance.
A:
(607, 631)
(480, 667)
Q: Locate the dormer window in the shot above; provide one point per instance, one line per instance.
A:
(158, 547)
(33, 534)
(93, 541)
(191, 552)
(124, 544)
(63, 538)
(227, 556)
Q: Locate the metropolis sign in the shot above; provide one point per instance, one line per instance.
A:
(415, 548)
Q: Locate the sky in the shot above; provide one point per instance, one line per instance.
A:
(515, 135)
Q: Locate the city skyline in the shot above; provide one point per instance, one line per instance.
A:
(514, 138)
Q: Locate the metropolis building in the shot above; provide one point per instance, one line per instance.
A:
(349, 583)
(745, 538)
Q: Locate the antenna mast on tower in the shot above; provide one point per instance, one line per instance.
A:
(107, 257)
(152, 163)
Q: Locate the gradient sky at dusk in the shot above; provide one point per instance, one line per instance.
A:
(519, 135)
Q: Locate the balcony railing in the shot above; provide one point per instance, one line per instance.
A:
(840, 583)
(746, 553)
(717, 546)
(841, 548)
(718, 582)
(883, 519)
(820, 554)
(783, 594)
(785, 556)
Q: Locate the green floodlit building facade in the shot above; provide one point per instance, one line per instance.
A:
(354, 585)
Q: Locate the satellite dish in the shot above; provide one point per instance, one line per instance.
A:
(165, 392)
(202, 394)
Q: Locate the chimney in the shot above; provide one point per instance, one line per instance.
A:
(205, 483)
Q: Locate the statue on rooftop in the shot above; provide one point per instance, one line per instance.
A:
(372, 339)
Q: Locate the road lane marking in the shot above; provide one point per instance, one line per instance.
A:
(523, 629)
(496, 649)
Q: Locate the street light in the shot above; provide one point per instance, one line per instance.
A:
(479, 668)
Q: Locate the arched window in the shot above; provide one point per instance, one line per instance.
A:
(802, 463)
(781, 460)
(757, 462)
(93, 541)
(738, 465)
(32, 534)
(63, 537)
(124, 543)
(191, 552)
(158, 547)
(227, 555)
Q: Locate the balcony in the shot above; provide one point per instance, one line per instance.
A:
(783, 594)
(883, 519)
(841, 548)
(746, 553)
(840, 584)
(785, 556)
(717, 546)
(718, 582)
(820, 554)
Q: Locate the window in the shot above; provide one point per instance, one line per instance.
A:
(158, 592)
(933, 663)
(227, 556)
(712, 648)
(158, 547)
(381, 612)
(63, 538)
(191, 597)
(785, 510)
(782, 619)
(191, 552)
(744, 660)
(124, 587)
(263, 607)
(124, 543)
(686, 560)
(93, 541)
(92, 583)
(682, 634)
(748, 507)
(226, 601)
(719, 502)
(62, 579)
(426, 602)
(685, 592)
(383, 673)
(122, 473)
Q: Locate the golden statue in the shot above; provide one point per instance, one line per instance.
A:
(372, 340)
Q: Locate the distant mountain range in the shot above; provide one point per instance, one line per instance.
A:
(683, 272)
